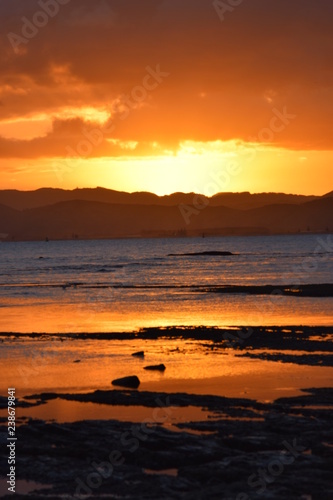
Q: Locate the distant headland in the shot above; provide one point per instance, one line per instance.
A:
(57, 214)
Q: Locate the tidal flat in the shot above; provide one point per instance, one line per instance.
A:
(238, 413)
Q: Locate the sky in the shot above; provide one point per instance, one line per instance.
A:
(167, 95)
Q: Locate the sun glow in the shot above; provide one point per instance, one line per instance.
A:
(202, 167)
(192, 168)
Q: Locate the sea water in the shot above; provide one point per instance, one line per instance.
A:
(123, 285)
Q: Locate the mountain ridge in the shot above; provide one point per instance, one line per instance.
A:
(22, 200)
(81, 219)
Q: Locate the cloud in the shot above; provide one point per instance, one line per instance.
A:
(76, 137)
(264, 56)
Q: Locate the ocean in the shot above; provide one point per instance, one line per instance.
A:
(124, 285)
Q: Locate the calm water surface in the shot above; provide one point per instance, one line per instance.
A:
(121, 285)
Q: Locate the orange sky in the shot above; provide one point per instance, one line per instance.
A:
(167, 95)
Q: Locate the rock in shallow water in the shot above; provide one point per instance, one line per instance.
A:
(132, 381)
(212, 253)
(160, 367)
(139, 354)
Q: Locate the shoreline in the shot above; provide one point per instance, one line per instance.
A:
(248, 232)
(263, 363)
(213, 458)
(184, 433)
(195, 332)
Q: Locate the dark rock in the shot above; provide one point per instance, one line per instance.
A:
(299, 359)
(309, 290)
(160, 367)
(212, 459)
(77, 361)
(131, 381)
(213, 253)
(139, 354)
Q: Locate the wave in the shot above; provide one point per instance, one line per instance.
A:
(304, 290)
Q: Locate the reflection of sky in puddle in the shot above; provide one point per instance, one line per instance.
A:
(164, 472)
(45, 316)
(45, 365)
(22, 487)
(63, 411)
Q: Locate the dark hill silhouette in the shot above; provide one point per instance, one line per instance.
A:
(328, 194)
(247, 200)
(22, 200)
(10, 222)
(89, 219)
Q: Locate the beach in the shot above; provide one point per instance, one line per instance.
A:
(228, 342)
(262, 403)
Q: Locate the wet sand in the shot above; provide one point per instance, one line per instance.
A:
(245, 450)
(260, 428)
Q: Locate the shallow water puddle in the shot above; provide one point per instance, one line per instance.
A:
(63, 411)
(164, 472)
(22, 487)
